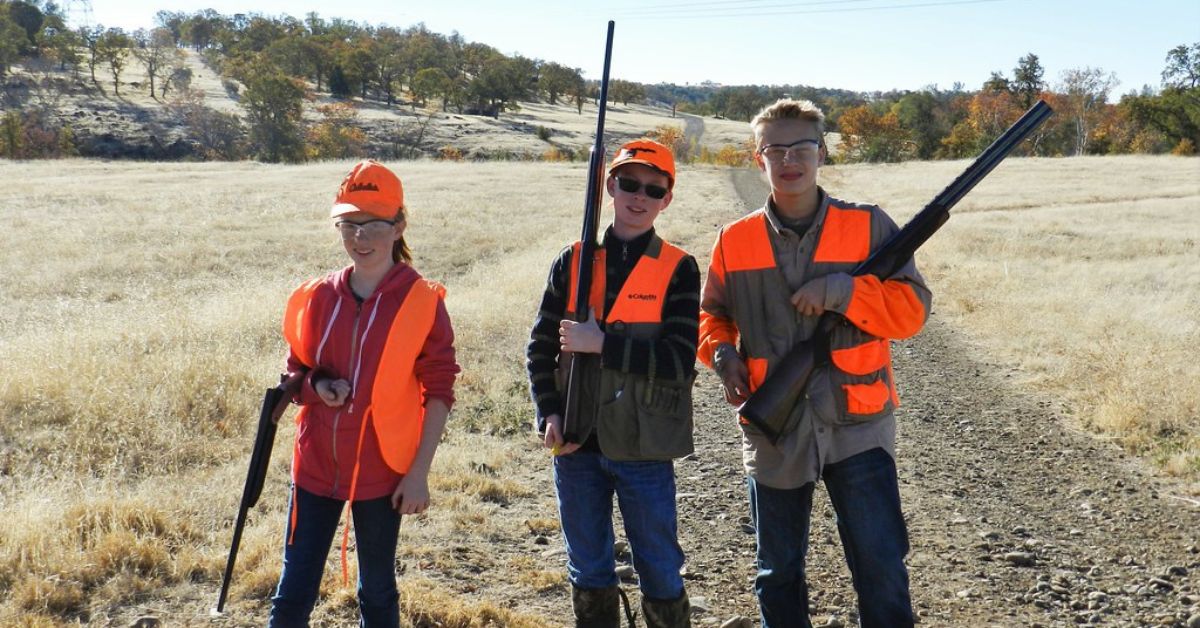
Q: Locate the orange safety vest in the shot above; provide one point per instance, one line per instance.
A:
(396, 410)
(845, 241)
(641, 298)
(635, 417)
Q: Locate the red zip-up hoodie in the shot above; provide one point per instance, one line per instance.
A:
(352, 337)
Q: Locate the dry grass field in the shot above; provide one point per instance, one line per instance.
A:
(140, 314)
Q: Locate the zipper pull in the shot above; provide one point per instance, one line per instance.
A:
(624, 251)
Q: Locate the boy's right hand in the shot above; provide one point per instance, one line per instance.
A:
(735, 377)
(333, 392)
(554, 439)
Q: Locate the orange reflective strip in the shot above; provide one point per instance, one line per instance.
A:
(596, 295)
(863, 359)
(866, 398)
(745, 245)
(758, 371)
(641, 297)
(845, 236)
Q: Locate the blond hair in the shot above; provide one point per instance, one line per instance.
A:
(789, 109)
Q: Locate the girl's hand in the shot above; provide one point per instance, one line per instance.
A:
(411, 496)
(333, 392)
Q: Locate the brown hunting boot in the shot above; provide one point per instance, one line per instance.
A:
(676, 613)
(596, 608)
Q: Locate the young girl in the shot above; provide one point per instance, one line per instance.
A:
(376, 345)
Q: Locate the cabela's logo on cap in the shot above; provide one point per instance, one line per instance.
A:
(359, 187)
(630, 153)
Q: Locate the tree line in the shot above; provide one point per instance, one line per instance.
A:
(954, 123)
(273, 63)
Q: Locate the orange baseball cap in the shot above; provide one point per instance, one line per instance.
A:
(370, 187)
(646, 151)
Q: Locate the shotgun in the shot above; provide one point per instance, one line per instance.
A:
(574, 428)
(275, 401)
(768, 407)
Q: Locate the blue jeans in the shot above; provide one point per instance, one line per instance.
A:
(376, 529)
(866, 497)
(585, 482)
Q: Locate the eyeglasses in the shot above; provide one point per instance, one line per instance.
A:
(798, 150)
(369, 229)
(633, 186)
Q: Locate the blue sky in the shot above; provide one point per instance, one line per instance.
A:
(862, 45)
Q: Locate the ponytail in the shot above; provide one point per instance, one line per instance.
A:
(400, 250)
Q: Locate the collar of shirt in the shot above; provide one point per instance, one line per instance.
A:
(780, 229)
(623, 254)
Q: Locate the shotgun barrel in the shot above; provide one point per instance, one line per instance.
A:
(574, 428)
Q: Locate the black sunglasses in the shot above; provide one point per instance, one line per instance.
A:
(633, 186)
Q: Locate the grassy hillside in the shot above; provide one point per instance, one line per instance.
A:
(141, 321)
(139, 125)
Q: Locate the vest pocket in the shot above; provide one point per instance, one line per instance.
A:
(664, 416)
(866, 398)
(859, 380)
(862, 359)
(862, 398)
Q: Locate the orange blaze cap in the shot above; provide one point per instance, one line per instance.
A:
(648, 152)
(372, 188)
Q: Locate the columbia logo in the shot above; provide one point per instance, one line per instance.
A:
(643, 297)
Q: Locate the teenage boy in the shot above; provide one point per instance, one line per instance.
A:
(644, 306)
(773, 274)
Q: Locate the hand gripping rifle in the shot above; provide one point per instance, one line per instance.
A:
(769, 406)
(275, 401)
(574, 429)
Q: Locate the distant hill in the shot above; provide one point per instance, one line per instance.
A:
(135, 125)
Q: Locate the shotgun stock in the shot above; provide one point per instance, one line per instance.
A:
(274, 403)
(769, 406)
(574, 428)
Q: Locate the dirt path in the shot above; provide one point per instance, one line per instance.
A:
(693, 129)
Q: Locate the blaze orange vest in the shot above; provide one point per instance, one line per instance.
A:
(641, 297)
(635, 417)
(395, 407)
(845, 241)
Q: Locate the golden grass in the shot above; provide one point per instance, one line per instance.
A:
(141, 322)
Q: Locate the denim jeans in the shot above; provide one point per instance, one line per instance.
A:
(376, 528)
(585, 482)
(866, 498)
